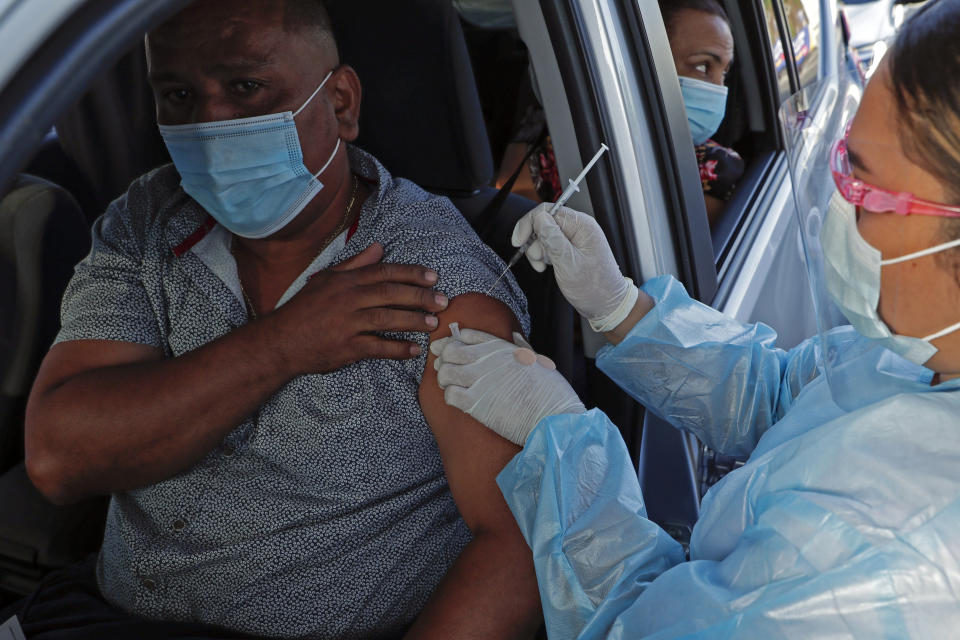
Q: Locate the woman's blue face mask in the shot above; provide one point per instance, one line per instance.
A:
(705, 103)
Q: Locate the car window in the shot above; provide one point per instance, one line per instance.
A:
(803, 21)
(750, 125)
(770, 7)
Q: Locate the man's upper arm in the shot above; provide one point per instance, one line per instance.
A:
(472, 454)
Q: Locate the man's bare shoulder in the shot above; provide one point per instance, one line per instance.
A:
(472, 454)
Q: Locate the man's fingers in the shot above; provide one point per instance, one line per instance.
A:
(369, 347)
(371, 255)
(393, 294)
(381, 319)
(402, 273)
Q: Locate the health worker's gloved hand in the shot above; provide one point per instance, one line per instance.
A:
(504, 385)
(583, 264)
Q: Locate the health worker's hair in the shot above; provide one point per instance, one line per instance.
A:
(924, 74)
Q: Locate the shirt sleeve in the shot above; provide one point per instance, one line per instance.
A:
(706, 373)
(106, 299)
(449, 246)
(435, 235)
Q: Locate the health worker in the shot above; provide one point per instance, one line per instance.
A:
(845, 519)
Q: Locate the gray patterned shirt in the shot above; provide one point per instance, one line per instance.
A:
(327, 513)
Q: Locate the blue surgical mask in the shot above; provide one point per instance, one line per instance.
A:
(705, 103)
(247, 173)
(852, 270)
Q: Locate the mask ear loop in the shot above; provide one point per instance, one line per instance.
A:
(921, 254)
(313, 95)
(332, 156)
(940, 334)
(297, 112)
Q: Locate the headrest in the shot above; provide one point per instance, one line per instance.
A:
(43, 235)
(421, 114)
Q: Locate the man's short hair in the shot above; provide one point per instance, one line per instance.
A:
(309, 15)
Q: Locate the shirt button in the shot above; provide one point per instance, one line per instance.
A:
(229, 450)
(148, 584)
(178, 525)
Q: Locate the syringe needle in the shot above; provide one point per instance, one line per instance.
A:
(572, 188)
(496, 282)
(516, 258)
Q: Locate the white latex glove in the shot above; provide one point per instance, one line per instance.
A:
(583, 264)
(504, 385)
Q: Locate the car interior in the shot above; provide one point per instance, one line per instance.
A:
(441, 100)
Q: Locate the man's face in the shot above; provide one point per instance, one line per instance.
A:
(225, 59)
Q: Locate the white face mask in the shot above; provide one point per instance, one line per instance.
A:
(852, 268)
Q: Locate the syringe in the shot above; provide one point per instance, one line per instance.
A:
(572, 188)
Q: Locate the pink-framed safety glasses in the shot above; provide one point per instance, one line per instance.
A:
(875, 199)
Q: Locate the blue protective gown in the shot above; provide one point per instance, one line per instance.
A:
(841, 523)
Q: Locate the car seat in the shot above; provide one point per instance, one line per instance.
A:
(106, 140)
(421, 117)
(111, 134)
(42, 236)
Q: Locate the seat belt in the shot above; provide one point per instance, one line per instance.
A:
(488, 216)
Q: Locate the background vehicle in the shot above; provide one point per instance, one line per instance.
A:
(873, 25)
(440, 99)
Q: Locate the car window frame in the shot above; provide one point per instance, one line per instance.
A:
(63, 66)
(759, 80)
